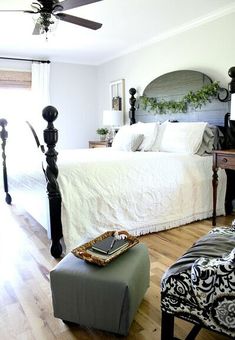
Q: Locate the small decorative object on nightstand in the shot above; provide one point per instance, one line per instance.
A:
(97, 144)
(102, 132)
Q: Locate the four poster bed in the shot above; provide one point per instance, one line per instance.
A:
(96, 190)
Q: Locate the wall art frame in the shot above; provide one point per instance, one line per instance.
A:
(117, 95)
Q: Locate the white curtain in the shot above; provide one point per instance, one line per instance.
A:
(41, 94)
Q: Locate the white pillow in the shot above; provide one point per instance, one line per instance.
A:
(126, 140)
(182, 137)
(161, 129)
(149, 130)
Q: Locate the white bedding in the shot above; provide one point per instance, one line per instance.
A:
(141, 192)
(104, 189)
(27, 185)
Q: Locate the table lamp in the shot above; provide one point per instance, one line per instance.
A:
(113, 119)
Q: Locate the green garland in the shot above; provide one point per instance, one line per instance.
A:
(194, 99)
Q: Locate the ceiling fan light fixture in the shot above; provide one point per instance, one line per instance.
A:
(45, 23)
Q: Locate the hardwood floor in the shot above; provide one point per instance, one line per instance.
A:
(25, 296)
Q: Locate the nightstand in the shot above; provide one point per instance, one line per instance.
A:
(224, 159)
(97, 144)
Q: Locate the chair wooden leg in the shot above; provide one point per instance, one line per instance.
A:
(194, 332)
(167, 331)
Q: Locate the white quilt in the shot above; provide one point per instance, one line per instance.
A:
(103, 189)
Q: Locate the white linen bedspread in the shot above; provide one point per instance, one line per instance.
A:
(142, 192)
(27, 185)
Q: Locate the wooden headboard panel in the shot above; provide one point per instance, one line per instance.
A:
(175, 85)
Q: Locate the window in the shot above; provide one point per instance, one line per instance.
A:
(15, 104)
(15, 79)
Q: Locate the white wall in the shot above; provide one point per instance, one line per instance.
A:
(208, 48)
(73, 90)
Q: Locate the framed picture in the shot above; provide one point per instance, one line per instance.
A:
(117, 103)
(117, 93)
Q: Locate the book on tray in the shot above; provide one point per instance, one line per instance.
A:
(110, 245)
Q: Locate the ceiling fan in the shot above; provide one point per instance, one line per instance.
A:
(49, 10)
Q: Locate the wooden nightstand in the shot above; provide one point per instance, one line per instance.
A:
(97, 144)
(224, 159)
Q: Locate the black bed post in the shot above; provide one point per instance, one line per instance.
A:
(4, 135)
(132, 101)
(50, 135)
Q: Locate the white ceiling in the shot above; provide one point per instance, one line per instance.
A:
(127, 26)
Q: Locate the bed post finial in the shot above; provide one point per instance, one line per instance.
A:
(50, 135)
(132, 101)
(231, 85)
(4, 135)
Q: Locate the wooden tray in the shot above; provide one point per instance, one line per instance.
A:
(84, 251)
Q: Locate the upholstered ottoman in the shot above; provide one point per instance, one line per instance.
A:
(105, 298)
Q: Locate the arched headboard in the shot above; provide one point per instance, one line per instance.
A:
(174, 86)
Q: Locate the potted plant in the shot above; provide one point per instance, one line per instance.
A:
(102, 132)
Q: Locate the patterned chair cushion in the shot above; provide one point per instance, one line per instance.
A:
(200, 286)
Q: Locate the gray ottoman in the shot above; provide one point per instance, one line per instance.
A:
(105, 298)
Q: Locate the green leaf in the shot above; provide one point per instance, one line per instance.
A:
(194, 99)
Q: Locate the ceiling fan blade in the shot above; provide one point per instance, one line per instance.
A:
(30, 12)
(37, 28)
(69, 4)
(17, 10)
(79, 21)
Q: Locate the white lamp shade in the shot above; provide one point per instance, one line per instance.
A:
(232, 107)
(112, 118)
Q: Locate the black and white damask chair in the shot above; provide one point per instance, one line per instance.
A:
(200, 286)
